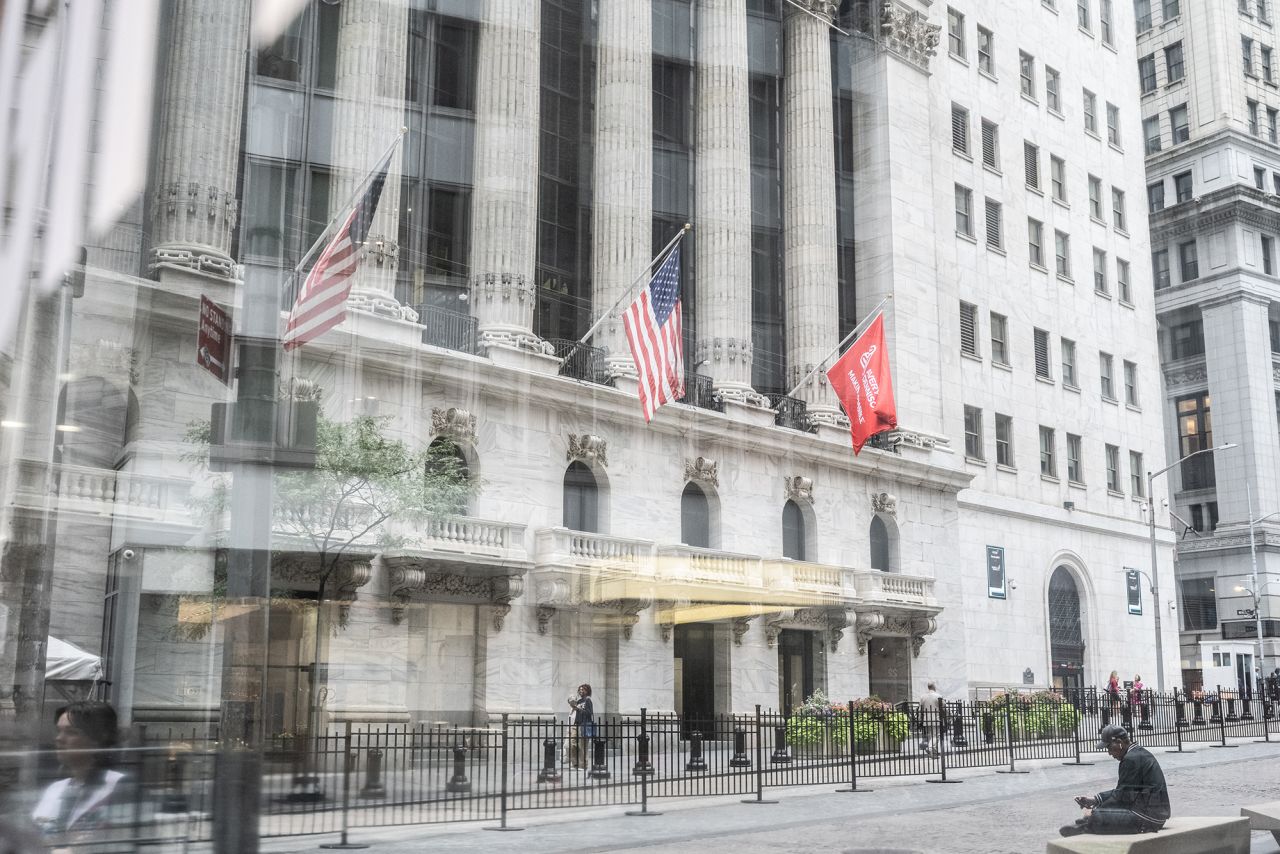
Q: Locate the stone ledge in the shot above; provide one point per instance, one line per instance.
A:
(1189, 835)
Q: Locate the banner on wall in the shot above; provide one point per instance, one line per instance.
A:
(1133, 587)
(995, 572)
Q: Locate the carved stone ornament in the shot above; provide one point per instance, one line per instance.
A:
(824, 9)
(403, 581)
(867, 624)
(1196, 375)
(909, 34)
(630, 610)
(921, 626)
(498, 591)
(702, 469)
(883, 502)
(545, 613)
(798, 488)
(589, 448)
(454, 423)
(502, 286)
(739, 627)
(347, 579)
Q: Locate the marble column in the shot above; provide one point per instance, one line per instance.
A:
(622, 215)
(504, 201)
(809, 205)
(193, 204)
(722, 175)
(368, 112)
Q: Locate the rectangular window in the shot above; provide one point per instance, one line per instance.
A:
(1048, 463)
(1027, 73)
(1142, 14)
(1082, 14)
(1090, 112)
(959, 129)
(1031, 164)
(973, 433)
(1195, 433)
(995, 224)
(955, 33)
(1052, 89)
(1187, 339)
(1062, 253)
(999, 339)
(1004, 440)
(1118, 219)
(968, 329)
(964, 211)
(1160, 268)
(1113, 124)
(1147, 73)
(1246, 8)
(1272, 115)
(1035, 242)
(1137, 486)
(1182, 187)
(1178, 123)
(1105, 376)
(1173, 66)
(1068, 349)
(1155, 196)
(1123, 288)
(1151, 135)
(1246, 55)
(1058, 177)
(1188, 262)
(1113, 468)
(1100, 271)
(986, 51)
(1262, 11)
(1267, 72)
(1268, 253)
(1095, 197)
(1251, 108)
(1199, 604)
(1104, 21)
(1075, 470)
(990, 145)
(1259, 177)
(1042, 354)
(1130, 383)
(1172, 9)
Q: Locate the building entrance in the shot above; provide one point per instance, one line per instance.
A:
(796, 672)
(695, 687)
(890, 668)
(1066, 640)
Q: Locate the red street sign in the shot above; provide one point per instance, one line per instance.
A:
(213, 344)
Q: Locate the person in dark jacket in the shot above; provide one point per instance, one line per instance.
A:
(1140, 801)
(584, 721)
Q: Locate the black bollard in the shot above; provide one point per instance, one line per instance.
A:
(957, 725)
(175, 796)
(373, 787)
(1126, 717)
(1232, 717)
(1246, 705)
(1180, 709)
(1268, 710)
(643, 767)
(599, 768)
(740, 758)
(459, 782)
(780, 753)
(696, 762)
(988, 728)
(1145, 712)
(1106, 715)
(1216, 706)
(1197, 707)
(549, 773)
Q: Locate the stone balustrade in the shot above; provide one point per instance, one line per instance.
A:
(471, 536)
(106, 492)
(875, 587)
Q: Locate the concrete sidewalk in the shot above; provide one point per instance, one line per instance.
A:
(988, 812)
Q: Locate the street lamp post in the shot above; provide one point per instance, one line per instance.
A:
(1155, 565)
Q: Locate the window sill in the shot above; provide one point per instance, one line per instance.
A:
(994, 170)
(1045, 380)
(999, 250)
(1111, 46)
(966, 237)
(1038, 267)
(1085, 30)
(1104, 294)
(1004, 467)
(1098, 220)
(962, 154)
(1133, 407)
(988, 75)
(971, 356)
(1115, 146)
(1093, 132)
(1123, 232)
(1003, 366)
(1030, 99)
(958, 58)
(977, 461)
(1049, 478)
(1126, 303)
(1066, 279)
(1074, 389)
(1031, 188)
(1115, 493)
(1057, 114)
(1111, 400)
(1076, 484)
(1174, 83)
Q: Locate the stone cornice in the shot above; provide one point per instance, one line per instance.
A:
(1235, 204)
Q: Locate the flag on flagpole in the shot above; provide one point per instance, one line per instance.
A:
(322, 300)
(860, 378)
(652, 324)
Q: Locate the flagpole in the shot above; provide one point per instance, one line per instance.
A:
(871, 315)
(627, 294)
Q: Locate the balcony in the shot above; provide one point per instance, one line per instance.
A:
(463, 543)
(581, 361)
(106, 492)
(791, 412)
(699, 392)
(874, 588)
(451, 330)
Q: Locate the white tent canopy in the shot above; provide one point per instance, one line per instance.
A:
(69, 662)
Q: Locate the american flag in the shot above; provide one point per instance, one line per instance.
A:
(652, 324)
(322, 300)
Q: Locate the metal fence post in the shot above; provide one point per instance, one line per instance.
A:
(853, 757)
(1180, 719)
(347, 760)
(942, 742)
(1008, 734)
(696, 761)
(759, 798)
(1222, 723)
(1075, 734)
(643, 767)
(506, 772)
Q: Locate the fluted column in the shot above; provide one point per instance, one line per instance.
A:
(194, 205)
(504, 214)
(723, 205)
(623, 206)
(368, 112)
(809, 205)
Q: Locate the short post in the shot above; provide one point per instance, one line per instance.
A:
(1106, 715)
(643, 767)
(958, 738)
(459, 783)
(1197, 709)
(175, 796)
(1179, 709)
(1232, 717)
(1246, 705)
(599, 768)
(853, 757)
(1215, 706)
(1126, 717)
(759, 798)
(505, 772)
(696, 762)
(988, 727)
(549, 773)
(348, 759)
(1144, 710)
(1222, 724)
(780, 755)
(1008, 734)
(373, 788)
(739, 758)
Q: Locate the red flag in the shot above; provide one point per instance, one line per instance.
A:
(861, 380)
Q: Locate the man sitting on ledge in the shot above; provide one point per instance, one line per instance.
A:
(1140, 801)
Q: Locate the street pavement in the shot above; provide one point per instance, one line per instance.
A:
(988, 812)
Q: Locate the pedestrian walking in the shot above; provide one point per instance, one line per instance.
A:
(584, 721)
(930, 705)
(1113, 690)
(1140, 801)
(1135, 691)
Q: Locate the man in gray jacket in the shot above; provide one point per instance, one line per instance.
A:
(1140, 801)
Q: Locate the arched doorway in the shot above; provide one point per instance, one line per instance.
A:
(580, 500)
(793, 533)
(1066, 640)
(695, 517)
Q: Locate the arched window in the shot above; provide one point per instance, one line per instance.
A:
(445, 460)
(581, 499)
(1066, 640)
(793, 540)
(695, 518)
(881, 548)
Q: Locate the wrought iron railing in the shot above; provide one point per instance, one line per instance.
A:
(699, 392)
(451, 330)
(790, 412)
(581, 361)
